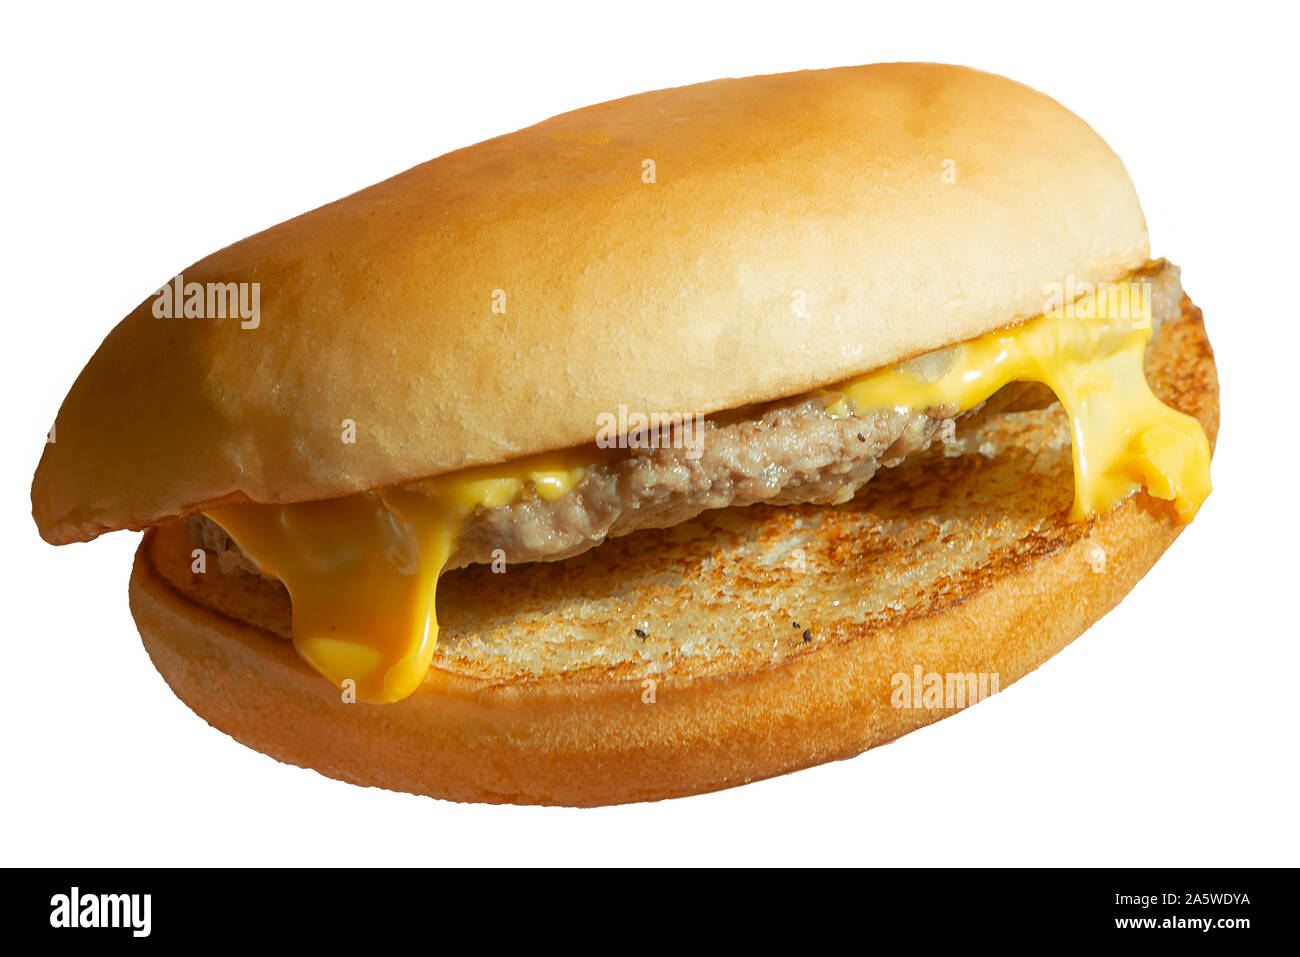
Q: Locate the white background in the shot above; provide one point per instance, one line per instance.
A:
(139, 139)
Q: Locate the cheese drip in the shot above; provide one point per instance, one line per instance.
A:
(362, 571)
(1122, 437)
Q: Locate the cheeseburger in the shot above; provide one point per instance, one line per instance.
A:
(668, 444)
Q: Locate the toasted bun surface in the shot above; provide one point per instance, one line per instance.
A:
(800, 228)
(956, 563)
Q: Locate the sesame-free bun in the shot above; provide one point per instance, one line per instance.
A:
(669, 662)
(687, 250)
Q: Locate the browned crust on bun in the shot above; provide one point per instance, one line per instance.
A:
(907, 206)
(961, 561)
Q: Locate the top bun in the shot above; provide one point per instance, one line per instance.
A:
(687, 250)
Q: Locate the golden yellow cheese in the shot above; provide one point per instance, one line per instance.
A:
(362, 571)
(1090, 354)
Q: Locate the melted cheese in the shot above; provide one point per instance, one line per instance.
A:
(362, 571)
(1122, 437)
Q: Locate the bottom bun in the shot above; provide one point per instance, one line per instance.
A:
(738, 646)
